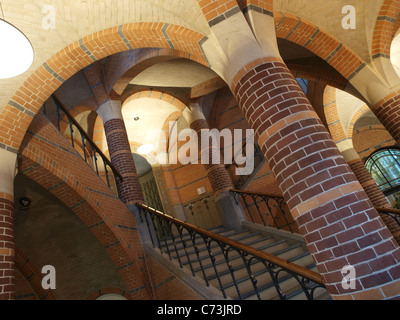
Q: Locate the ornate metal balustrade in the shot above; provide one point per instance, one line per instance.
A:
(266, 209)
(81, 142)
(219, 260)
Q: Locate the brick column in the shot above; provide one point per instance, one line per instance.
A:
(374, 193)
(333, 212)
(387, 111)
(231, 214)
(119, 148)
(7, 242)
(219, 177)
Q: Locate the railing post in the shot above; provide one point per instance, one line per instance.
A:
(84, 136)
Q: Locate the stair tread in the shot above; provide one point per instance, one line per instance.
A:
(199, 263)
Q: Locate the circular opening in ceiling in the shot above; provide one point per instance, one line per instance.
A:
(16, 53)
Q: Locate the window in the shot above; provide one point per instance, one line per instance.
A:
(384, 166)
(303, 83)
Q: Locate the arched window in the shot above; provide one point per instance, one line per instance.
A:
(384, 166)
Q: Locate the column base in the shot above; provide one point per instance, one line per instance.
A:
(146, 231)
(179, 212)
(231, 213)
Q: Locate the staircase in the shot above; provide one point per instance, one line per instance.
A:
(232, 278)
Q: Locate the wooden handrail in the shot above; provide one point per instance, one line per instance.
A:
(258, 194)
(388, 210)
(82, 131)
(316, 277)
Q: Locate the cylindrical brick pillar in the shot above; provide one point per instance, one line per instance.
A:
(7, 241)
(375, 194)
(333, 212)
(7, 248)
(216, 172)
(387, 111)
(129, 189)
(369, 185)
(230, 212)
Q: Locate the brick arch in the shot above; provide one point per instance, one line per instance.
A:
(366, 151)
(318, 41)
(332, 115)
(154, 94)
(173, 117)
(178, 103)
(133, 66)
(316, 74)
(356, 116)
(32, 274)
(386, 26)
(108, 290)
(78, 188)
(30, 97)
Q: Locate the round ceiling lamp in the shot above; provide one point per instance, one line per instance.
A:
(145, 149)
(16, 52)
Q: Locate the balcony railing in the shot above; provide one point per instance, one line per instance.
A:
(81, 142)
(197, 247)
(266, 209)
(271, 210)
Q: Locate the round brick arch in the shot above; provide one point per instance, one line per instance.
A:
(108, 291)
(356, 116)
(309, 36)
(126, 71)
(93, 207)
(29, 98)
(387, 24)
(332, 115)
(135, 94)
(32, 275)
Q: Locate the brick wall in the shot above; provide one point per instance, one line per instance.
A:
(369, 139)
(65, 175)
(166, 286)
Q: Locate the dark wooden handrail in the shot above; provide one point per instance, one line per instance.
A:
(258, 194)
(388, 210)
(83, 132)
(304, 272)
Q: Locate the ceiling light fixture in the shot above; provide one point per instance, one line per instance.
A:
(145, 149)
(16, 52)
(25, 203)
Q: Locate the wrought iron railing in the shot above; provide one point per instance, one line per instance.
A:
(271, 210)
(393, 213)
(82, 142)
(206, 252)
(266, 209)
